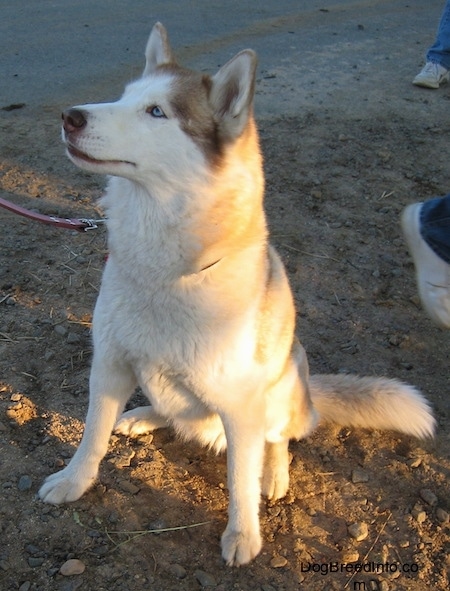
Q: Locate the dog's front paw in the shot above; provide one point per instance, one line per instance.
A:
(240, 547)
(139, 421)
(65, 486)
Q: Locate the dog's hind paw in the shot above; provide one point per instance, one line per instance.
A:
(240, 547)
(139, 421)
(65, 486)
(275, 479)
(275, 482)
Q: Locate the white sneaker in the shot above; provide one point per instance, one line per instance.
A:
(432, 272)
(431, 76)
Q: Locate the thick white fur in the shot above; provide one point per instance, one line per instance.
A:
(194, 305)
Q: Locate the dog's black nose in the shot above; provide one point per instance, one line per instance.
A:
(73, 120)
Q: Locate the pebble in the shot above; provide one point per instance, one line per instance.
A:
(123, 459)
(34, 561)
(177, 571)
(419, 514)
(70, 585)
(49, 355)
(129, 487)
(25, 586)
(24, 483)
(350, 556)
(442, 515)
(72, 567)
(205, 579)
(73, 338)
(414, 462)
(61, 330)
(278, 561)
(428, 496)
(359, 475)
(358, 531)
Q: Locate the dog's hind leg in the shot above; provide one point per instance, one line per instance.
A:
(111, 383)
(138, 421)
(275, 479)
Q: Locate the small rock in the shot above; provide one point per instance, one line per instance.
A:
(72, 567)
(34, 561)
(278, 561)
(442, 515)
(205, 579)
(16, 397)
(429, 497)
(72, 338)
(61, 330)
(123, 459)
(350, 556)
(358, 531)
(4, 565)
(359, 475)
(419, 514)
(49, 355)
(25, 586)
(71, 585)
(177, 571)
(129, 487)
(34, 550)
(414, 462)
(25, 483)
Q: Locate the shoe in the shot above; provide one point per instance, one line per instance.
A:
(432, 75)
(432, 272)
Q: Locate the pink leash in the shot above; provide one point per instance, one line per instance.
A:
(80, 225)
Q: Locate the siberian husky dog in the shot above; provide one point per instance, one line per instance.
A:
(195, 306)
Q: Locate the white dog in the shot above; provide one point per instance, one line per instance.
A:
(194, 305)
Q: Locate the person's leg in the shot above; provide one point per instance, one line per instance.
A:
(439, 52)
(426, 227)
(436, 70)
(434, 218)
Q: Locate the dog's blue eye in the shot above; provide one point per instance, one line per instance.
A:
(156, 111)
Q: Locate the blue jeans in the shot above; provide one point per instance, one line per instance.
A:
(439, 53)
(434, 221)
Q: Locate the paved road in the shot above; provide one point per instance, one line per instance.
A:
(58, 52)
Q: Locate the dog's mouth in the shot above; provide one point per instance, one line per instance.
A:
(78, 154)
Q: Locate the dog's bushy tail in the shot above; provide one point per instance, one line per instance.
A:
(372, 403)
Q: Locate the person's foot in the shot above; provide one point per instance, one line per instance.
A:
(432, 272)
(432, 75)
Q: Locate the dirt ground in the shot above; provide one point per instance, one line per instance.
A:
(336, 185)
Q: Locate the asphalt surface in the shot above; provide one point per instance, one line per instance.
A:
(55, 53)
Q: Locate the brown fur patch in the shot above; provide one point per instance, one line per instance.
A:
(189, 100)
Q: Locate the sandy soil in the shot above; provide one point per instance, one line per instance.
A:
(335, 188)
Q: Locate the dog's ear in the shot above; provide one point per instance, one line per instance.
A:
(158, 49)
(232, 93)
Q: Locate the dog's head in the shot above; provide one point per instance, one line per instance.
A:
(169, 123)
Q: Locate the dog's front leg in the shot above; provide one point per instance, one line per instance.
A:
(241, 540)
(110, 386)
